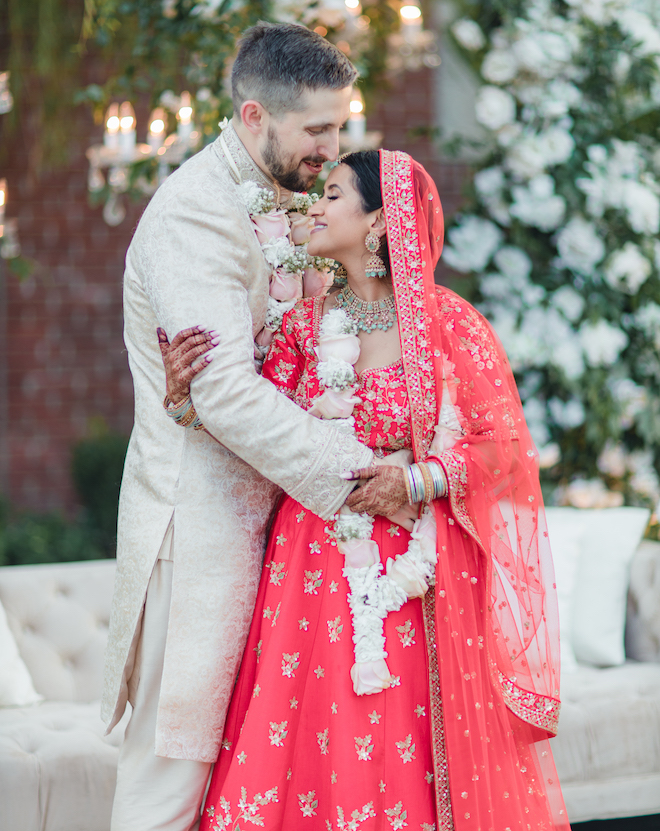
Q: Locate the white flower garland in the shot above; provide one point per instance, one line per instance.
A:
(373, 594)
(288, 261)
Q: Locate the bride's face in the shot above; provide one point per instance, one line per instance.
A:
(340, 223)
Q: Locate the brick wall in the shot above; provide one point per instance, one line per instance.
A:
(63, 353)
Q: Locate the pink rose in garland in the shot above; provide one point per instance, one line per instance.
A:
(285, 286)
(300, 228)
(316, 283)
(272, 225)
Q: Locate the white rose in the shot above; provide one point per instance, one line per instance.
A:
(472, 244)
(627, 269)
(580, 248)
(569, 303)
(642, 208)
(602, 343)
(567, 356)
(647, 318)
(494, 107)
(557, 145)
(526, 158)
(600, 12)
(535, 416)
(612, 460)
(499, 66)
(538, 205)
(567, 414)
(549, 455)
(631, 398)
(489, 181)
(513, 262)
(342, 347)
(641, 30)
(407, 574)
(469, 34)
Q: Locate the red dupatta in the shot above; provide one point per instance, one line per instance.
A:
(491, 621)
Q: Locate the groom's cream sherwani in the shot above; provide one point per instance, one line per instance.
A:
(195, 259)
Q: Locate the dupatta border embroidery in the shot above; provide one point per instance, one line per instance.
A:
(538, 710)
(440, 764)
(406, 263)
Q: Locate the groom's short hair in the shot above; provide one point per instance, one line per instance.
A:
(278, 62)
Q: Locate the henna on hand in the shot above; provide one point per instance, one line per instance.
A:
(179, 356)
(383, 492)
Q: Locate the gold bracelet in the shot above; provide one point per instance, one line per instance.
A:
(429, 488)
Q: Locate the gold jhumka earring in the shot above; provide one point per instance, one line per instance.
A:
(375, 266)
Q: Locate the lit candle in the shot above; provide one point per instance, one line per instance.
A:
(411, 19)
(184, 115)
(127, 131)
(3, 201)
(156, 135)
(357, 122)
(111, 135)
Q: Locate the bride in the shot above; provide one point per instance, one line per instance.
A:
(393, 680)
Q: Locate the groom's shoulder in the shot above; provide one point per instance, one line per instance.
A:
(204, 182)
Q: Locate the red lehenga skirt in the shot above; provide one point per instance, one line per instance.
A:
(300, 749)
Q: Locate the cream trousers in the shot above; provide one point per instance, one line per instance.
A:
(154, 793)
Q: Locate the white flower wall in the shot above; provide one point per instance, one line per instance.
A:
(562, 231)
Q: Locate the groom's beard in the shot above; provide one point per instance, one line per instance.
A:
(286, 172)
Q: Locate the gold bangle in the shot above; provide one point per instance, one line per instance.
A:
(429, 487)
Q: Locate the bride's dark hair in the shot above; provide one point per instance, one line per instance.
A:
(365, 165)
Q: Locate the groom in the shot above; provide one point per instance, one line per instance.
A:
(193, 510)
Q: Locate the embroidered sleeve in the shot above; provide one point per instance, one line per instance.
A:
(285, 361)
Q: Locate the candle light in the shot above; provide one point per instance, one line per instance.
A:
(3, 201)
(111, 135)
(184, 116)
(411, 18)
(357, 122)
(157, 125)
(127, 131)
(6, 98)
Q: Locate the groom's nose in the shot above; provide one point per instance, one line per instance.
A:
(329, 146)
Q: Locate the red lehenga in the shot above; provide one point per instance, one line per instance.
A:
(460, 739)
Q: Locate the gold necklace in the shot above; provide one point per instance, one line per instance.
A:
(367, 316)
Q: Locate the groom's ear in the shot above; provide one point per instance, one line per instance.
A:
(254, 116)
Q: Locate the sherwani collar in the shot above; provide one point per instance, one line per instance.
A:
(243, 167)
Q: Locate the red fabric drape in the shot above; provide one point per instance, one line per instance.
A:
(493, 609)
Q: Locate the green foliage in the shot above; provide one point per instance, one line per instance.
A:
(96, 467)
(29, 537)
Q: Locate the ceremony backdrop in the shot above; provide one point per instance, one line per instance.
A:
(63, 368)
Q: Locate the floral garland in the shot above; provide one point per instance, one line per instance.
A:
(283, 236)
(373, 594)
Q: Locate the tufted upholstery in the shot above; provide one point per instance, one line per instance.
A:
(57, 770)
(607, 751)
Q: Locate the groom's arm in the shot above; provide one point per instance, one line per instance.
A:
(191, 261)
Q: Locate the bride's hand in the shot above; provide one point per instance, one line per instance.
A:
(180, 355)
(384, 493)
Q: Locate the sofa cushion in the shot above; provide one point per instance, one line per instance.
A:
(608, 737)
(59, 616)
(16, 688)
(57, 769)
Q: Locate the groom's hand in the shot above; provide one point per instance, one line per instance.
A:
(383, 491)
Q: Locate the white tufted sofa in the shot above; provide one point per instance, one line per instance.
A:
(57, 770)
(607, 751)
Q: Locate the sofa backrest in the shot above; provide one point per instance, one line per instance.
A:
(59, 616)
(643, 622)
